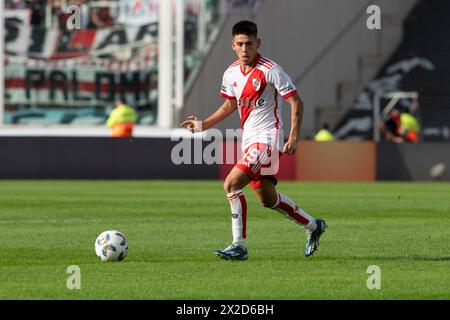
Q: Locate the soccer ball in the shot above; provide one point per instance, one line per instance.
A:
(111, 246)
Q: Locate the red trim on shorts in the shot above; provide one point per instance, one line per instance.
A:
(246, 170)
(253, 170)
(255, 184)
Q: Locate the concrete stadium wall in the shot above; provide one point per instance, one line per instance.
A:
(336, 161)
(422, 162)
(368, 161)
(151, 158)
(94, 158)
(324, 45)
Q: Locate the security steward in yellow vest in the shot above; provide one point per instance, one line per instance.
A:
(122, 120)
(324, 135)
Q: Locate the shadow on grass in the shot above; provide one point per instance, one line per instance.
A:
(386, 258)
(343, 258)
(271, 258)
(431, 258)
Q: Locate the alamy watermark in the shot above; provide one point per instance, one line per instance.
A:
(374, 280)
(74, 280)
(212, 147)
(374, 20)
(74, 20)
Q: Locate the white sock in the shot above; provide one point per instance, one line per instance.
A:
(291, 211)
(238, 207)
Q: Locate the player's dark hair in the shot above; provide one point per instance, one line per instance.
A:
(245, 27)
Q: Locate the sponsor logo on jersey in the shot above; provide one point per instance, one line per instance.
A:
(260, 103)
(252, 103)
(286, 89)
(224, 89)
(234, 84)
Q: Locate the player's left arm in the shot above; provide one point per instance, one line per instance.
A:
(296, 104)
(285, 87)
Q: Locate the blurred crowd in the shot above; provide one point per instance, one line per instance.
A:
(92, 16)
(98, 14)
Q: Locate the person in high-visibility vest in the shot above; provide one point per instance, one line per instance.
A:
(324, 135)
(122, 120)
(409, 127)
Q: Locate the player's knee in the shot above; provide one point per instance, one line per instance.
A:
(229, 185)
(268, 203)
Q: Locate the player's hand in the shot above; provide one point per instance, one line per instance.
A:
(192, 124)
(290, 147)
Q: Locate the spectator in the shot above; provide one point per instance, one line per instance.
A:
(15, 4)
(324, 135)
(59, 14)
(409, 126)
(122, 120)
(37, 8)
(390, 126)
(100, 18)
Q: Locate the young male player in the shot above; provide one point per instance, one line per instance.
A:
(255, 85)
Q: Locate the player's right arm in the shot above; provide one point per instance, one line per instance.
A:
(195, 125)
(227, 108)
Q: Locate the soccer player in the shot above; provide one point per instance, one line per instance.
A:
(254, 85)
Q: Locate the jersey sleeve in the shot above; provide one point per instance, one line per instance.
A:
(226, 90)
(282, 82)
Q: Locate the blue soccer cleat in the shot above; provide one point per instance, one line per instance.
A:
(312, 238)
(233, 252)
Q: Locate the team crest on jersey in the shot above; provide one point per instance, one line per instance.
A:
(256, 84)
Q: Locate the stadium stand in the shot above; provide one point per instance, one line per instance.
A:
(419, 64)
(52, 75)
(422, 47)
(330, 59)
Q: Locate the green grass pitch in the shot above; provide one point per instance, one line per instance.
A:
(173, 227)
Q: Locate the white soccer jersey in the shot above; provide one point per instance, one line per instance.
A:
(259, 93)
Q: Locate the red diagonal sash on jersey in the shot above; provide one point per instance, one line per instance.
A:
(253, 90)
